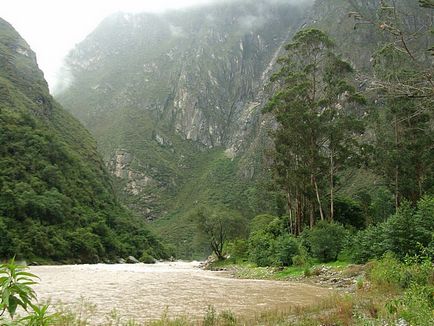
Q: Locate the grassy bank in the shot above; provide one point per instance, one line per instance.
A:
(247, 270)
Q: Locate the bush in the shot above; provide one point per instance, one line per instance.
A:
(286, 247)
(267, 250)
(146, 258)
(410, 230)
(368, 244)
(261, 222)
(390, 272)
(261, 247)
(238, 249)
(325, 240)
(416, 306)
(405, 233)
(349, 212)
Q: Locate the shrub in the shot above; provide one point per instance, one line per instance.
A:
(410, 230)
(146, 258)
(326, 240)
(416, 306)
(16, 291)
(267, 250)
(238, 249)
(406, 233)
(261, 247)
(261, 222)
(286, 247)
(392, 273)
(349, 212)
(368, 244)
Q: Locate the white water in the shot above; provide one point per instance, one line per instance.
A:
(145, 292)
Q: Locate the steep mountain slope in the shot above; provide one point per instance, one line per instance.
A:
(174, 102)
(56, 197)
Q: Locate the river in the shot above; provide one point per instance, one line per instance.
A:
(145, 292)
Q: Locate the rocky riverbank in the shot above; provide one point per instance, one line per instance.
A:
(344, 277)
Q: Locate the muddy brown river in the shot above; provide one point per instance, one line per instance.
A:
(144, 292)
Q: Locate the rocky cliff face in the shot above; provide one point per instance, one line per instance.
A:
(160, 91)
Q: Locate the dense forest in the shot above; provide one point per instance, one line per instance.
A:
(56, 197)
(338, 129)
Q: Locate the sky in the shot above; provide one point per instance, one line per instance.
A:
(53, 27)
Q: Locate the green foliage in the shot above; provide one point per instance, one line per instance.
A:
(56, 198)
(238, 249)
(405, 233)
(415, 306)
(325, 240)
(39, 317)
(367, 244)
(286, 248)
(213, 181)
(270, 244)
(218, 226)
(263, 222)
(261, 248)
(381, 206)
(391, 272)
(15, 286)
(16, 291)
(147, 258)
(349, 213)
(315, 108)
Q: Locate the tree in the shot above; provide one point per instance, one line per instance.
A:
(403, 86)
(218, 226)
(316, 128)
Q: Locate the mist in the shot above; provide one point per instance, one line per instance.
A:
(53, 28)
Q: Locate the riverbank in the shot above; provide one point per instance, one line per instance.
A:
(390, 292)
(338, 275)
(381, 292)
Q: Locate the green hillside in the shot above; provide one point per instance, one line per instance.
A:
(56, 197)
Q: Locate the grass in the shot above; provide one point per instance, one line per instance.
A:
(243, 269)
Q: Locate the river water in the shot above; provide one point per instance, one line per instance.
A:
(145, 292)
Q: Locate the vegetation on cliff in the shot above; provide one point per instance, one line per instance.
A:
(56, 197)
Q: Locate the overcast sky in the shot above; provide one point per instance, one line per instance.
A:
(53, 27)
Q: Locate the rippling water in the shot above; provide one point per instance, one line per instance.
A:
(144, 292)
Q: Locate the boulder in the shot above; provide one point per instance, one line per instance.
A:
(132, 260)
(121, 261)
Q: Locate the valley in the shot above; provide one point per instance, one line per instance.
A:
(287, 145)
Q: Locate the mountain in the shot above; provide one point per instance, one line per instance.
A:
(56, 197)
(174, 102)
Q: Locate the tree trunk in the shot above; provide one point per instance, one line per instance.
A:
(311, 216)
(332, 208)
(291, 226)
(318, 197)
(396, 167)
(297, 214)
